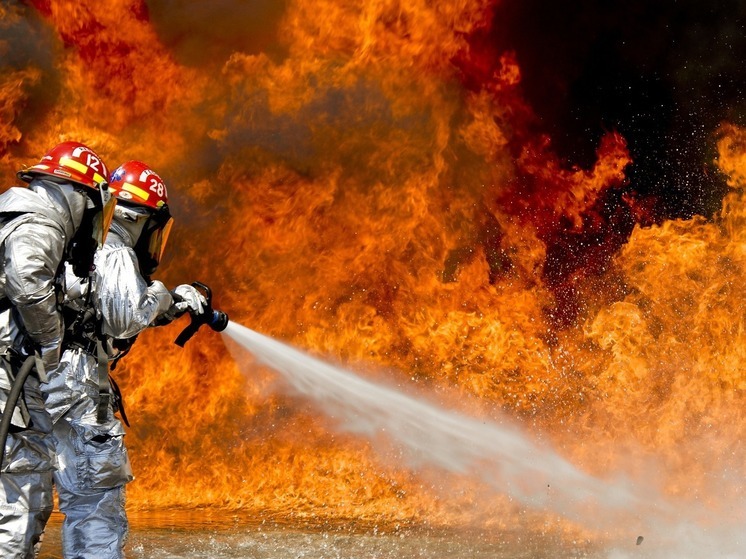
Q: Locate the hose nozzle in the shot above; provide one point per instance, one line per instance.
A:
(217, 320)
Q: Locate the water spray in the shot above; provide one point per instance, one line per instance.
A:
(499, 454)
(217, 320)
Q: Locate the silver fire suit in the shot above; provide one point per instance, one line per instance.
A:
(38, 222)
(93, 462)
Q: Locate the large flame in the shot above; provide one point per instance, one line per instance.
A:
(350, 190)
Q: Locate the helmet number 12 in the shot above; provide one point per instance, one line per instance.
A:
(93, 162)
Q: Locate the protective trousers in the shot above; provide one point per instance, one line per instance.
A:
(93, 466)
(26, 478)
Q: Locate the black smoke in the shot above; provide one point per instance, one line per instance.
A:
(206, 32)
(27, 43)
(663, 74)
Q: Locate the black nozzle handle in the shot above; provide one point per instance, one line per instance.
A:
(187, 333)
(207, 290)
(216, 320)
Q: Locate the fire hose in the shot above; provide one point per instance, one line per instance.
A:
(10, 404)
(217, 320)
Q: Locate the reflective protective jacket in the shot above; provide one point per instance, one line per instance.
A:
(127, 303)
(38, 224)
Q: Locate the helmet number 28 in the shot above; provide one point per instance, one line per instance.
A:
(157, 186)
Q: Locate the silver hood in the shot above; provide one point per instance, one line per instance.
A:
(128, 223)
(60, 202)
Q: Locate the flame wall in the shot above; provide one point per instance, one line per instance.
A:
(368, 180)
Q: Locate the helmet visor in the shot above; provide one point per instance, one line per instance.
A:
(158, 240)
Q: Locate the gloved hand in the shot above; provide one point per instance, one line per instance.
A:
(187, 298)
(74, 288)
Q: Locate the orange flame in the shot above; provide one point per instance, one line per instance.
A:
(347, 194)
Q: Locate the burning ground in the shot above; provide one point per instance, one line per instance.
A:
(520, 209)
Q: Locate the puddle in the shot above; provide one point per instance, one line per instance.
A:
(188, 536)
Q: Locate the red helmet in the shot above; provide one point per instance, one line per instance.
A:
(71, 161)
(136, 183)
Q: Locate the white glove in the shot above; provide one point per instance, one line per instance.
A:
(74, 286)
(188, 298)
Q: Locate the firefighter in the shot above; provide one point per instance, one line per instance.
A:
(103, 323)
(63, 215)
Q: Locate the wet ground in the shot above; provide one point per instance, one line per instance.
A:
(180, 536)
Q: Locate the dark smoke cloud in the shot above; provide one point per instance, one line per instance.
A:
(27, 43)
(25, 39)
(207, 32)
(664, 74)
(348, 128)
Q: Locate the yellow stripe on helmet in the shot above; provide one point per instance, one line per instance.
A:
(78, 166)
(136, 190)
